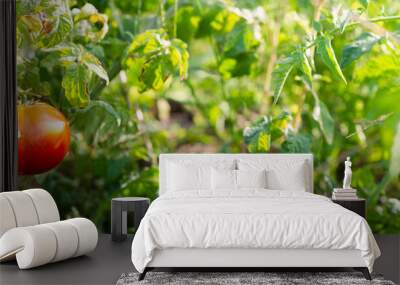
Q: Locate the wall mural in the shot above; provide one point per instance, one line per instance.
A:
(105, 86)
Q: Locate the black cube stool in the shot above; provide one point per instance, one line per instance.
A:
(119, 215)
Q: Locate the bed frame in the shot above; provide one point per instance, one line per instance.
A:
(247, 259)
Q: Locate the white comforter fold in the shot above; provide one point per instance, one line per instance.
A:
(250, 219)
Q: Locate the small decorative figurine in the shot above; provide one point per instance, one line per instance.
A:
(347, 174)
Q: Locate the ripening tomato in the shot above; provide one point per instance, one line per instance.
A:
(43, 138)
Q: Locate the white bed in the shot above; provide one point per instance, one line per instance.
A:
(281, 224)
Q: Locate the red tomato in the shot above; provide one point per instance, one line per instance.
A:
(43, 138)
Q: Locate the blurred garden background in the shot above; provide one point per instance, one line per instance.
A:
(136, 78)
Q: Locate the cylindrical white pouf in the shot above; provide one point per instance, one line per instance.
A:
(23, 208)
(45, 205)
(34, 246)
(67, 239)
(7, 218)
(87, 234)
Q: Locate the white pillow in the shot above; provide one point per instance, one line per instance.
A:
(251, 178)
(181, 177)
(223, 179)
(282, 174)
(293, 180)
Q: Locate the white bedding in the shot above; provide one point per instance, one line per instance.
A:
(252, 218)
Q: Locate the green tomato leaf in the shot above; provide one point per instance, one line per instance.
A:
(87, 20)
(280, 75)
(32, 22)
(262, 143)
(94, 105)
(43, 23)
(180, 57)
(97, 122)
(67, 53)
(240, 40)
(188, 20)
(258, 137)
(226, 67)
(75, 85)
(70, 54)
(60, 31)
(328, 57)
(148, 43)
(94, 65)
(224, 21)
(362, 45)
(297, 143)
(305, 67)
(394, 165)
(280, 122)
(241, 65)
(155, 74)
(152, 58)
(323, 117)
(238, 43)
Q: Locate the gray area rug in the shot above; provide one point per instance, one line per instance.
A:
(229, 278)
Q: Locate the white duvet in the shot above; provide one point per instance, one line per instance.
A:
(250, 219)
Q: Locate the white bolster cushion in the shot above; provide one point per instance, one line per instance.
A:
(40, 244)
(45, 205)
(26, 208)
(33, 246)
(23, 208)
(87, 235)
(66, 238)
(7, 219)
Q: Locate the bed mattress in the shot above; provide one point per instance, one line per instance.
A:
(250, 219)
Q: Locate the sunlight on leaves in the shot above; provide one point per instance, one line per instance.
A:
(327, 55)
(394, 166)
(280, 75)
(75, 84)
(362, 45)
(87, 19)
(323, 117)
(152, 58)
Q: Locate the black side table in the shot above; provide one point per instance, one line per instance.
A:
(356, 205)
(119, 214)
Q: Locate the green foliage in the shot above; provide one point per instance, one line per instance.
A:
(49, 28)
(96, 122)
(328, 57)
(259, 135)
(297, 143)
(323, 117)
(44, 25)
(262, 76)
(188, 21)
(296, 60)
(281, 74)
(394, 167)
(75, 85)
(363, 44)
(305, 66)
(152, 58)
(87, 20)
(79, 65)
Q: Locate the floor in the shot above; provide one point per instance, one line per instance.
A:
(389, 262)
(110, 260)
(103, 266)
